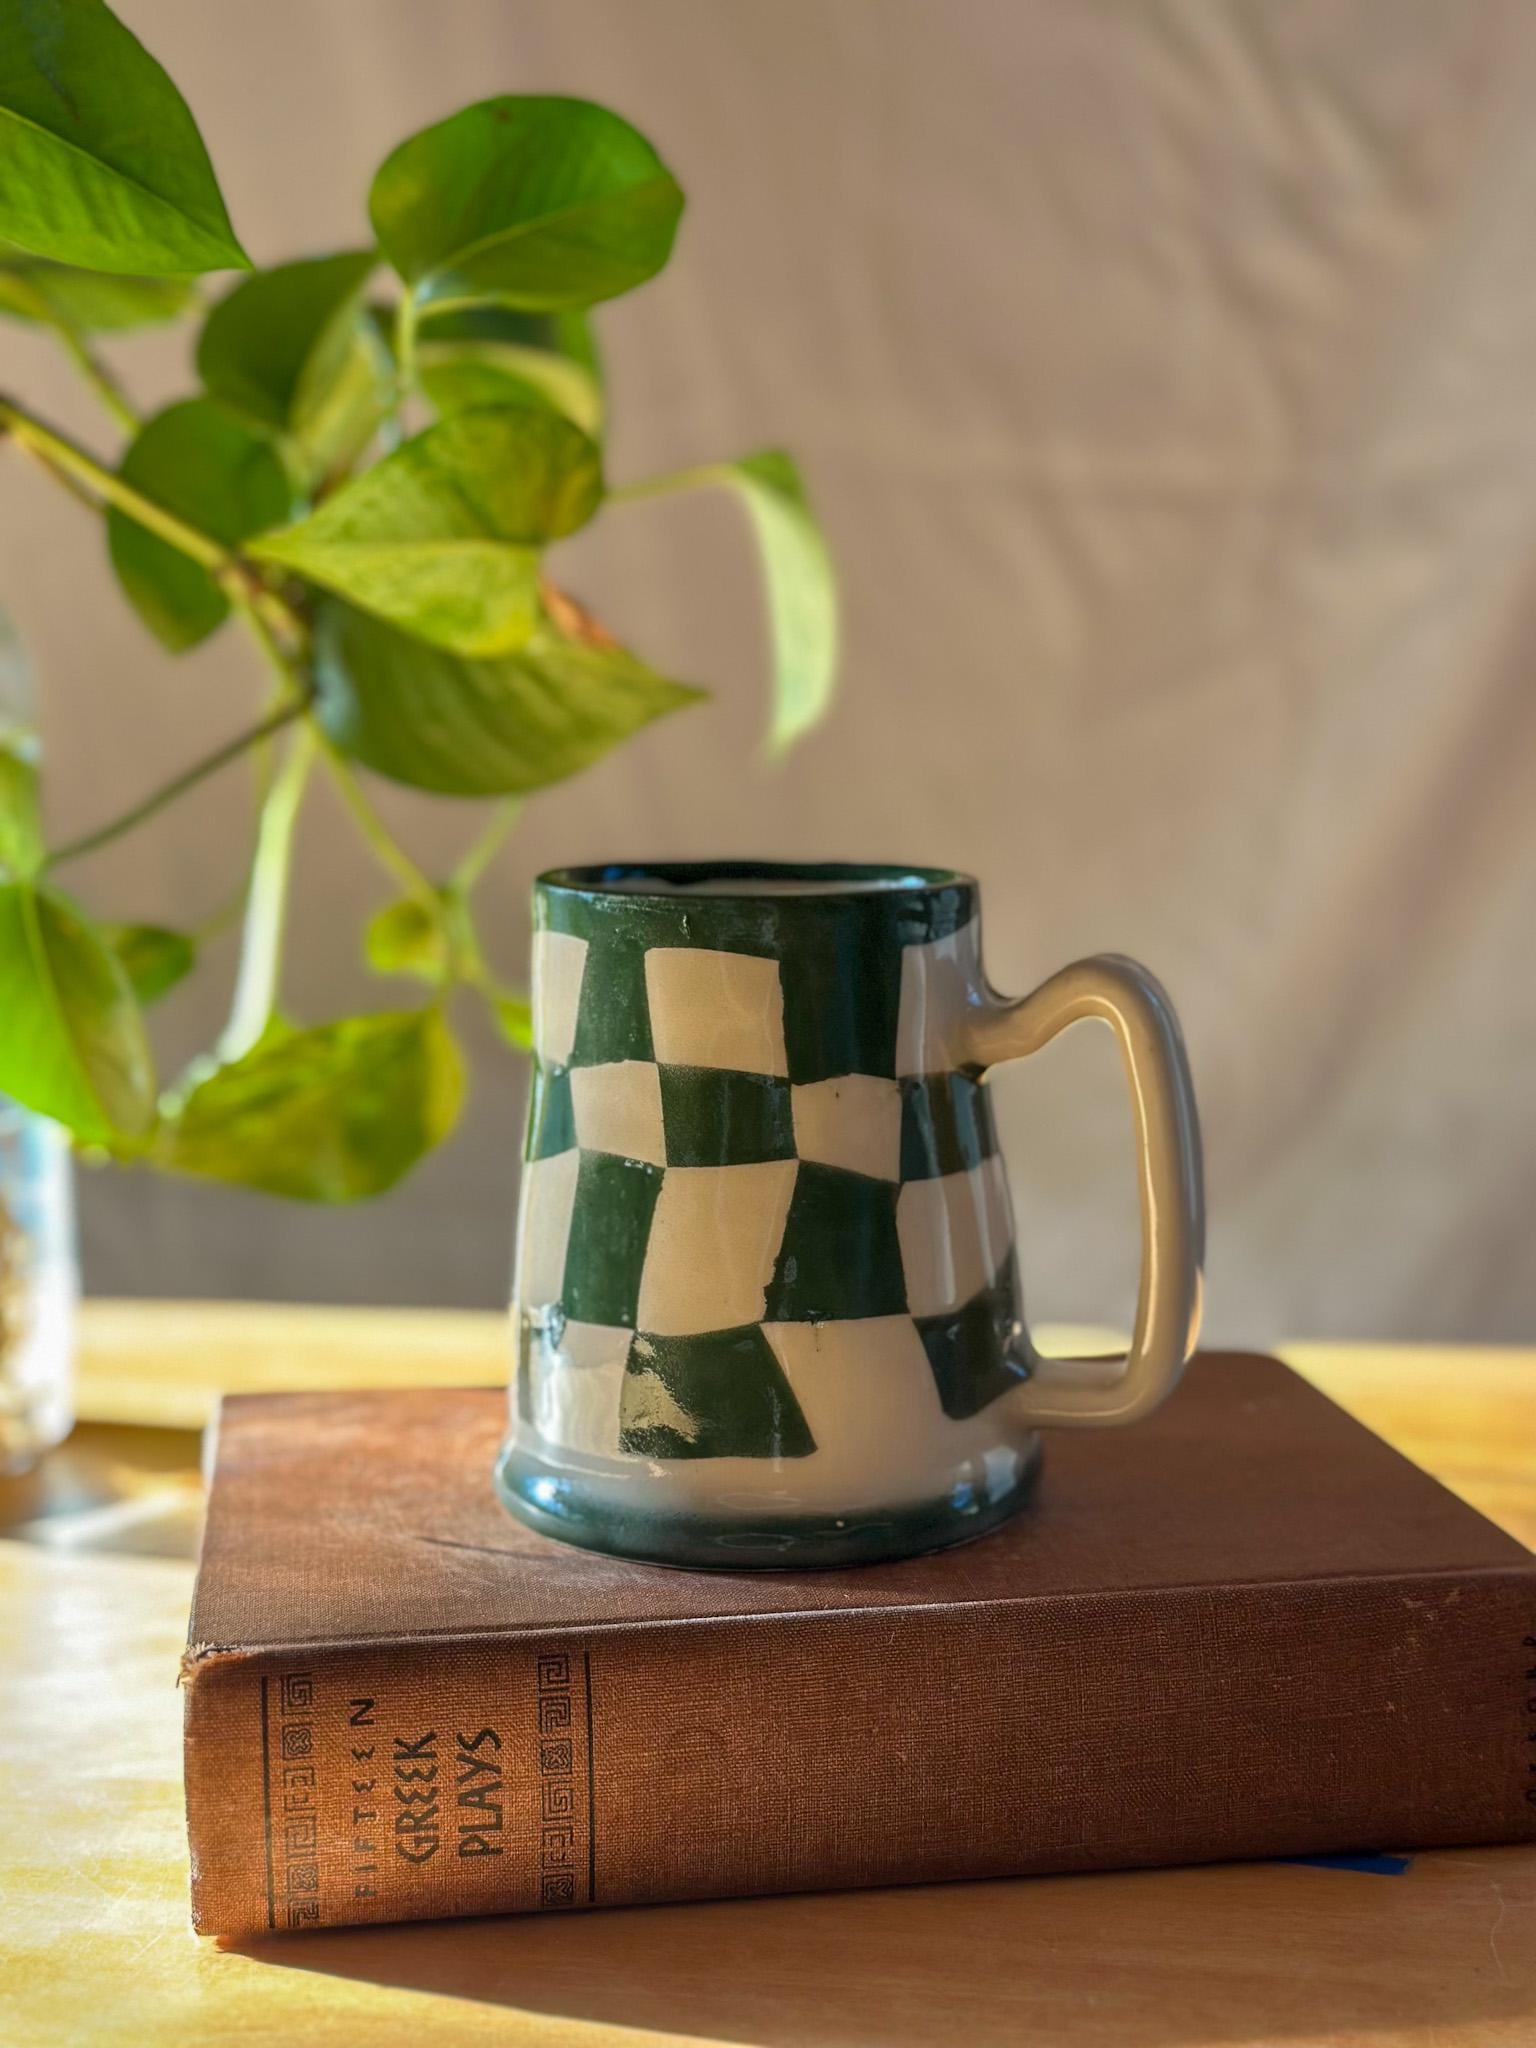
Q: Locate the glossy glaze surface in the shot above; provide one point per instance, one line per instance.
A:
(766, 1276)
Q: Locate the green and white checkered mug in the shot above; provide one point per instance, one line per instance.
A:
(767, 1301)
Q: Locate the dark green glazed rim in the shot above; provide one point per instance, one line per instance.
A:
(848, 906)
(558, 1506)
(830, 877)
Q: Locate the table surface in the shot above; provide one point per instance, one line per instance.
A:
(95, 1576)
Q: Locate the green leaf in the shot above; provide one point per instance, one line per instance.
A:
(73, 1044)
(334, 1114)
(535, 202)
(259, 344)
(801, 590)
(199, 461)
(101, 163)
(289, 349)
(513, 1016)
(481, 728)
(86, 301)
(441, 536)
(407, 938)
(153, 957)
(495, 355)
(21, 826)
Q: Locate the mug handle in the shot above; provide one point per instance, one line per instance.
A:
(1097, 1391)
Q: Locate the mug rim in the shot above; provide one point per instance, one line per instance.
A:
(848, 881)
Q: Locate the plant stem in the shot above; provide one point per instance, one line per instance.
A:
(90, 365)
(266, 900)
(63, 479)
(266, 904)
(405, 347)
(286, 666)
(98, 487)
(218, 921)
(168, 792)
(663, 486)
(62, 454)
(386, 847)
(480, 854)
(100, 378)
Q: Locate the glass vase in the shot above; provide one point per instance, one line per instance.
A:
(39, 1286)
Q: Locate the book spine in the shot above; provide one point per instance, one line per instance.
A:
(491, 1774)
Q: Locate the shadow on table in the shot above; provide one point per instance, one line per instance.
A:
(1223, 1954)
(111, 1487)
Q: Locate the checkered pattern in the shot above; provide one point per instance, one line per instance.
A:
(716, 1234)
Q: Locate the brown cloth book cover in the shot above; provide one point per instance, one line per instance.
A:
(1243, 1628)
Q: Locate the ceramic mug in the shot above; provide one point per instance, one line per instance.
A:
(766, 1303)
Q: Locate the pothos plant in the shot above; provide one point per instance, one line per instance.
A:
(384, 445)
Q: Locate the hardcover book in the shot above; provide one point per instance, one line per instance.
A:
(1245, 1628)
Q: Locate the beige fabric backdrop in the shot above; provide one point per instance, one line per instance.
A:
(1165, 376)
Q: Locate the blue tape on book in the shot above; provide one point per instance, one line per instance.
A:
(1381, 1865)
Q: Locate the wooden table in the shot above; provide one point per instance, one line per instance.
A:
(94, 1942)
